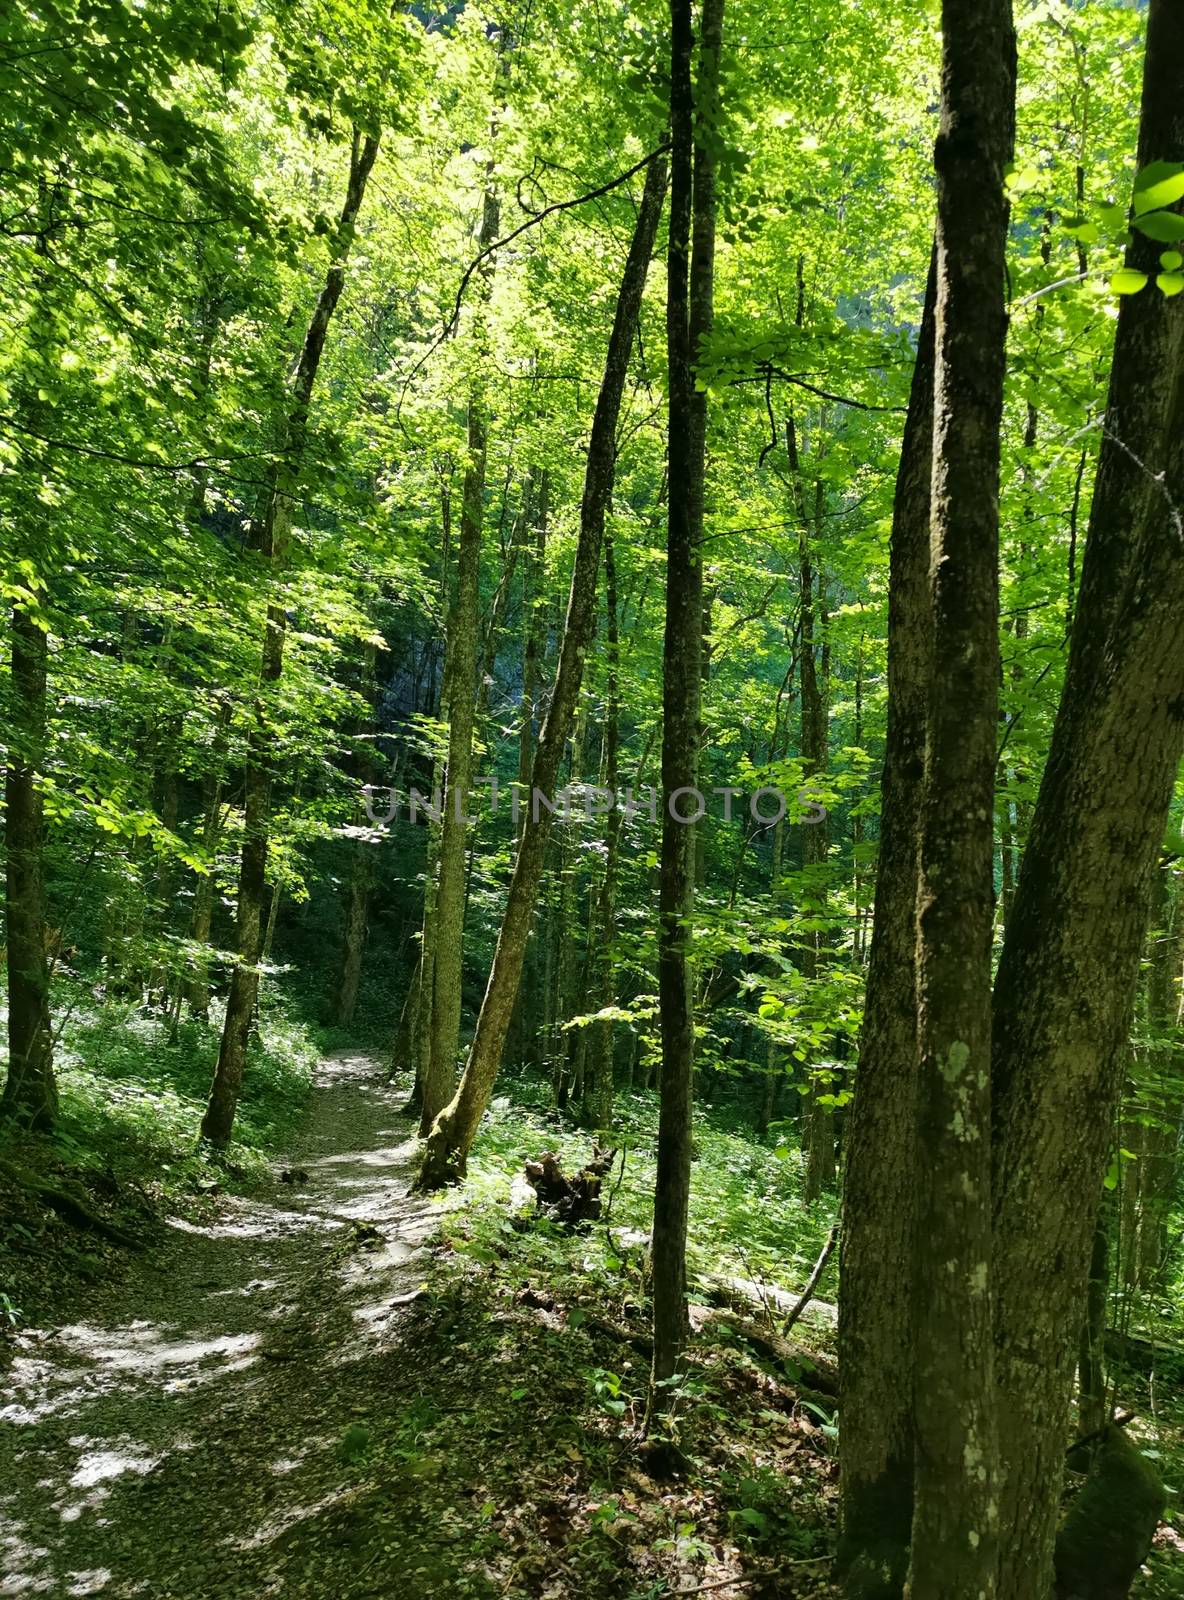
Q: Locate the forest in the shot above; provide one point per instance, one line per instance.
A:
(592, 707)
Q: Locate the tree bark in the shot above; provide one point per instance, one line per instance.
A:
(875, 1293)
(353, 938)
(30, 1091)
(460, 696)
(817, 1119)
(455, 1128)
(1159, 1146)
(689, 307)
(1066, 980)
(202, 921)
(271, 538)
(604, 988)
(1091, 1360)
(954, 1508)
(532, 649)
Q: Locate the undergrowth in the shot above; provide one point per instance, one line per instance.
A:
(126, 1145)
(132, 1099)
(747, 1217)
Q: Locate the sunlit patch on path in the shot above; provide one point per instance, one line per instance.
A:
(180, 1436)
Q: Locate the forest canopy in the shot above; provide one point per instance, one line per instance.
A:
(623, 562)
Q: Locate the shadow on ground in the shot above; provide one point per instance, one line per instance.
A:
(198, 1430)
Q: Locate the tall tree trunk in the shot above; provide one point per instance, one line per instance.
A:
(604, 987)
(689, 306)
(1159, 1152)
(532, 649)
(954, 1509)
(460, 695)
(420, 1023)
(202, 920)
(1091, 1360)
(271, 537)
(1066, 980)
(818, 1119)
(875, 1291)
(353, 939)
(448, 1144)
(30, 1091)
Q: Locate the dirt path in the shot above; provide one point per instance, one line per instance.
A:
(185, 1436)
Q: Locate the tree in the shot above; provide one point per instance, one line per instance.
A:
(459, 696)
(954, 1509)
(875, 1299)
(271, 535)
(689, 288)
(1066, 979)
(447, 1145)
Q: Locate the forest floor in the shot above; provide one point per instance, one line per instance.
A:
(332, 1389)
(182, 1433)
(291, 1395)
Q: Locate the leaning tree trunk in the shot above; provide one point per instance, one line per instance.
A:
(1067, 975)
(271, 537)
(30, 1092)
(689, 307)
(875, 1292)
(446, 936)
(954, 1510)
(448, 1144)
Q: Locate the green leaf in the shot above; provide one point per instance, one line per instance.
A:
(1127, 281)
(1170, 283)
(1164, 226)
(1160, 184)
(1171, 260)
(1021, 180)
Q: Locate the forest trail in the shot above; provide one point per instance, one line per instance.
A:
(184, 1437)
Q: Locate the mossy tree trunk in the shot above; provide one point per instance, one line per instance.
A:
(954, 1509)
(689, 307)
(30, 1091)
(875, 1291)
(446, 936)
(1068, 972)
